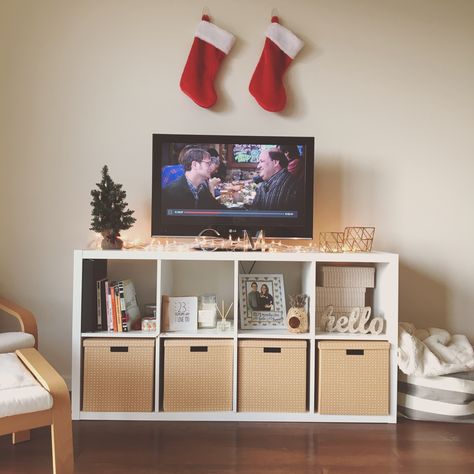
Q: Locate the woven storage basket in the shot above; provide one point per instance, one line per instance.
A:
(198, 375)
(272, 375)
(353, 377)
(118, 374)
(348, 277)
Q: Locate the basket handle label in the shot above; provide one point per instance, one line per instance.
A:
(119, 349)
(198, 348)
(272, 349)
(355, 352)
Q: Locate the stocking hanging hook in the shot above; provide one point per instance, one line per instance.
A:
(205, 11)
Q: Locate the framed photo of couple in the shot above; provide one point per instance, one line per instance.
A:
(262, 301)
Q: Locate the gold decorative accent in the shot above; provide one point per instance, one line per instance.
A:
(353, 239)
(358, 239)
(331, 242)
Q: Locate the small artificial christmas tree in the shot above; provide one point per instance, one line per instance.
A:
(109, 216)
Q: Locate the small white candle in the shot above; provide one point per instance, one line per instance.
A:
(207, 318)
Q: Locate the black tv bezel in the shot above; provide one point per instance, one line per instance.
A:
(160, 229)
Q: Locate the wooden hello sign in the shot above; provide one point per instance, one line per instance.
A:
(355, 323)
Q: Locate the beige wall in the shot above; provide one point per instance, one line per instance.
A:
(385, 87)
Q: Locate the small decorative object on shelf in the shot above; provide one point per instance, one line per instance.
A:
(331, 241)
(353, 239)
(355, 323)
(324, 318)
(149, 320)
(210, 240)
(223, 324)
(260, 243)
(297, 317)
(179, 313)
(207, 316)
(358, 239)
(247, 242)
(109, 213)
(149, 324)
(150, 310)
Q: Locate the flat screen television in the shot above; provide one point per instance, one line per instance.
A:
(232, 183)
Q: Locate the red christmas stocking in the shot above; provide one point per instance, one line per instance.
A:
(211, 45)
(281, 47)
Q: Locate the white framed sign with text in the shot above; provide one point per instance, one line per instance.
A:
(180, 313)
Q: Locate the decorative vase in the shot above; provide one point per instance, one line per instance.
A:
(297, 320)
(111, 241)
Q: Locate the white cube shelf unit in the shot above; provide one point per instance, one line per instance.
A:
(194, 273)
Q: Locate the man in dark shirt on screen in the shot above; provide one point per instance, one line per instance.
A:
(190, 190)
(280, 190)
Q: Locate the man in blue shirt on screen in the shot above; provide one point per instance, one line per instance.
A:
(190, 191)
(279, 190)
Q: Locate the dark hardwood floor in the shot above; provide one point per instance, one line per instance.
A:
(251, 448)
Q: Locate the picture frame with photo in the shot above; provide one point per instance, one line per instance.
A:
(262, 301)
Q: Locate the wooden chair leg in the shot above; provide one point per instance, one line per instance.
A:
(61, 446)
(21, 436)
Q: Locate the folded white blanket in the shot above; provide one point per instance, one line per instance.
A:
(433, 351)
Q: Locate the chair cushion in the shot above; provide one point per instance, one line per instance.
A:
(11, 341)
(20, 392)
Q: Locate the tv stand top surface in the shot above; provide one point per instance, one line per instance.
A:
(190, 254)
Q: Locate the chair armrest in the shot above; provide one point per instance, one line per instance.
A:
(44, 372)
(25, 317)
(61, 423)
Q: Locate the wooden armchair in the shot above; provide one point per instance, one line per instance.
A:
(33, 394)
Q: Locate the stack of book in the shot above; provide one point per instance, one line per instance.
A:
(117, 306)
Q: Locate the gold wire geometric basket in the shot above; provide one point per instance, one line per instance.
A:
(353, 239)
(358, 239)
(331, 241)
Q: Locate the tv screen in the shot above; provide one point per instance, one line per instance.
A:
(232, 183)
